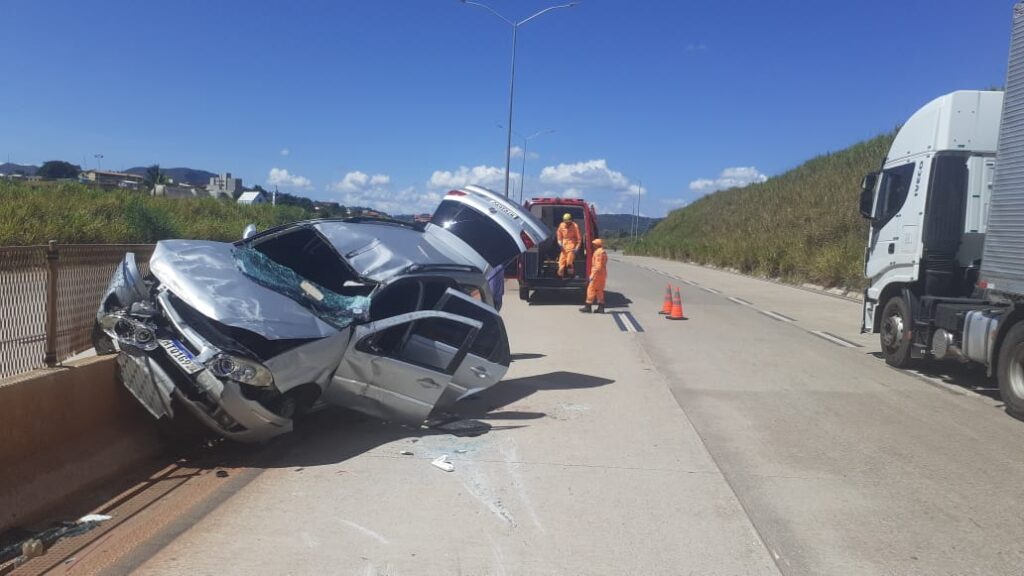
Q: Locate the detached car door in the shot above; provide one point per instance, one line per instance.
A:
(397, 368)
(488, 358)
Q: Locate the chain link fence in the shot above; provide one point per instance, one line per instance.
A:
(48, 299)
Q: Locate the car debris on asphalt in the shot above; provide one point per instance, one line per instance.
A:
(442, 463)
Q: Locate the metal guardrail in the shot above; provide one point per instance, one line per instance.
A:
(48, 299)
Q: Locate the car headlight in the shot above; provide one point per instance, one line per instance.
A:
(240, 370)
(129, 331)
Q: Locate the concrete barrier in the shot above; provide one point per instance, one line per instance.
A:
(64, 431)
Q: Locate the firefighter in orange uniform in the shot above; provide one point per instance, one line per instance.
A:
(598, 275)
(569, 241)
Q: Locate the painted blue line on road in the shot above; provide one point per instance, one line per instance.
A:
(618, 321)
(632, 320)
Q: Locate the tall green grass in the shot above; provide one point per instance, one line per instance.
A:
(70, 213)
(800, 226)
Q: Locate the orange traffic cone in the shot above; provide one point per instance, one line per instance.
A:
(666, 306)
(677, 308)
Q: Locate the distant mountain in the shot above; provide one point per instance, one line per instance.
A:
(11, 168)
(179, 175)
(618, 224)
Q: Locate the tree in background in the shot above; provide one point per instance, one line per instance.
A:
(154, 176)
(57, 169)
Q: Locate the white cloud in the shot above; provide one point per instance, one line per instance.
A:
(357, 181)
(492, 177)
(675, 202)
(281, 177)
(592, 173)
(593, 180)
(737, 176)
(361, 189)
(696, 47)
(517, 152)
(285, 151)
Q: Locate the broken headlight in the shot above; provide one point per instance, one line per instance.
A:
(240, 370)
(129, 331)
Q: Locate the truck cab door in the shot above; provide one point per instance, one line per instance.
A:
(396, 369)
(894, 242)
(488, 359)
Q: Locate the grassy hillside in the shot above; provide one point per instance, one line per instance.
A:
(801, 226)
(71, 213)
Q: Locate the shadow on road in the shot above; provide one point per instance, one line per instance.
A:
(335, 435)
(968, 376)
(527, 356)
(556, 298)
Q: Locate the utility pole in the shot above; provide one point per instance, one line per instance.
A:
(636, 215)
(512, 80)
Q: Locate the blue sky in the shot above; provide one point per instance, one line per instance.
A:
(390, 102)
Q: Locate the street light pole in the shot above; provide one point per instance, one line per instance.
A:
(526, 145)
(512, 81)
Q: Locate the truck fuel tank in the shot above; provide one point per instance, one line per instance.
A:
(980, 328)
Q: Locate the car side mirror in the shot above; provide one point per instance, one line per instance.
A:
(249, 232)
(867, 194)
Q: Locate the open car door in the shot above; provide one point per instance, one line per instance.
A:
(397, 368)
(488, 358)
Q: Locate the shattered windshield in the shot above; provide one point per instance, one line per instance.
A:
(337, 310)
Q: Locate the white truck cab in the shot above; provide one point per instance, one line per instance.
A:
(928, 208)
(945, 256)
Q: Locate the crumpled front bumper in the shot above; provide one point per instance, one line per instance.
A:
(155, 376)
(226, 410)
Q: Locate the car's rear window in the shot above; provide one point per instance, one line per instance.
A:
(482, 233)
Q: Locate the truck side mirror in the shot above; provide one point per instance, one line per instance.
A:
(249, 232)
(867, 194)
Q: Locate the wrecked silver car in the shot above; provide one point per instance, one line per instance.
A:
(390, 319)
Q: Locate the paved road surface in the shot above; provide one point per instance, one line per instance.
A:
(763, 435)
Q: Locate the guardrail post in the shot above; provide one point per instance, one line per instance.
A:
(52, 258)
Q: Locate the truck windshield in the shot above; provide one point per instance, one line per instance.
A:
(892, 192)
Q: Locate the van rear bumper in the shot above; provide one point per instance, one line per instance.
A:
(553, 284)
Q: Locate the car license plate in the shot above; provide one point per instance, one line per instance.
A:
(180, 356)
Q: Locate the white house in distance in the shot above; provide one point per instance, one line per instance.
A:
(252, 198)
(224, 185)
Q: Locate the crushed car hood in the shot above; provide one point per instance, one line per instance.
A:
(204, 275)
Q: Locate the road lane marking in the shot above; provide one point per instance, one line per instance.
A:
(711, 290)
(835, 339)
(740, 301)
(618, 321)
(627, 322)
(631, 320)
(777, 316)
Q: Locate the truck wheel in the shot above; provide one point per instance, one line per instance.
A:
(1010, 370)
(896, 323)
(524, 294)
